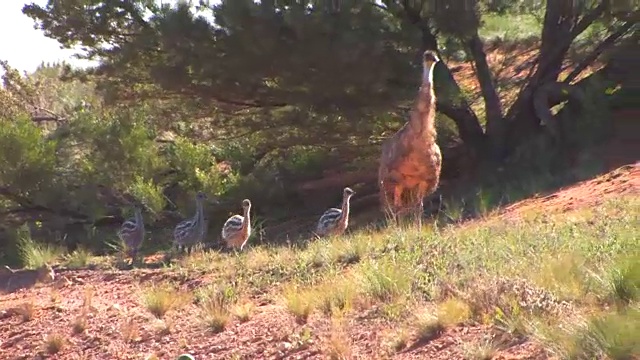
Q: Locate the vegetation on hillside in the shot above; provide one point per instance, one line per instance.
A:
(567, 284)
(283, 103)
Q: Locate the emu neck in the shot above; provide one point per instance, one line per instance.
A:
(422, 120)
(139, 220)
(199, 218)
(246, 224)
(345, 207)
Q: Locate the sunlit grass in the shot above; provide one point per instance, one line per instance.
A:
(35, 255)
(510, 27)
(159, 299)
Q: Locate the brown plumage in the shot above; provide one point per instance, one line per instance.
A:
(411, 160)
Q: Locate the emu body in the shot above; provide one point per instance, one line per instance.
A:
(132, 233)
(334, 221)
(411, 161)
(237, 229)
(191, 231)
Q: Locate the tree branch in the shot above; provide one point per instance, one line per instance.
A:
(27, 205)
(491, 100)
(606, 43)
(566, 42)
(549, 95)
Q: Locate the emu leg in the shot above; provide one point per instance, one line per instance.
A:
(397, 202)
(385, 204)
(419, 203)
(134, 254)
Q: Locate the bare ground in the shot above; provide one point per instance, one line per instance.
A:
(119, 327)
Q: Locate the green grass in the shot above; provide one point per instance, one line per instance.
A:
(568, 280)
(161, 298)
(516, 275)
(79, 258)
(510, 27)
(34, 255)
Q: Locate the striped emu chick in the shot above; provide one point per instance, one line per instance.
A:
(237, 229)
(335, 221)
(191, 231)
(132, 233)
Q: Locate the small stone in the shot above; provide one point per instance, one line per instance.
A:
(285, 346)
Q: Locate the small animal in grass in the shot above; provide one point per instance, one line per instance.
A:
(191, 231)
(237, 229)
(335, 221)
(12, 280)
(132, 233)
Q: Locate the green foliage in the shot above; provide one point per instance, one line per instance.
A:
(197, 166)
(119, 144)
(241, 99)
(149, 193)
(386, 281)
(27, 158)
(79, 258)
(612, 335)
(33, 254)
(625, 280)
(221, 295)
(514, 27)
(593, 125)
(43, 94)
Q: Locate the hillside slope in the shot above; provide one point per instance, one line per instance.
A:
(106, 313)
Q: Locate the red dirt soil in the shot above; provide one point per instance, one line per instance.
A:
(271, 333)
(622, 181)
(116, 312)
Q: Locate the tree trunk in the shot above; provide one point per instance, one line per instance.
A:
(459, 111)
(453, 104)
(496, 126)
(561, 27)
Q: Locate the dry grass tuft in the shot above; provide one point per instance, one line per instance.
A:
(428, 328)
(53, 343)
(299, 302)
(79, 258)
(243, 311)
(480, 350)
(79, 324)
(159, 299)
(130, 331)
(338, 344)
(162, 327)
(398, 340)
(335, 295)
(215, 317)
(453, 312)
(214, 302)
(27, 311)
